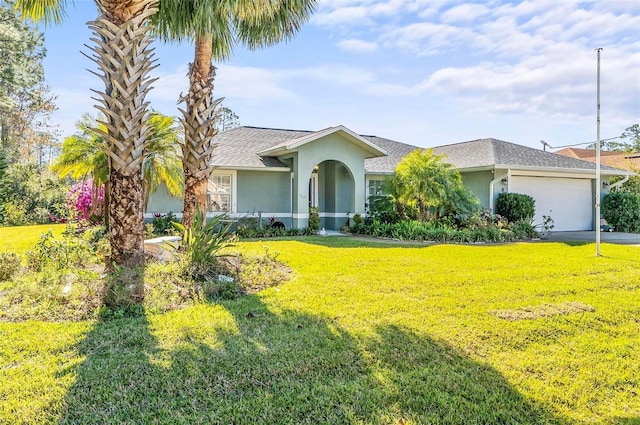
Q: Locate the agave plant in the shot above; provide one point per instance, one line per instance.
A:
(202, 243)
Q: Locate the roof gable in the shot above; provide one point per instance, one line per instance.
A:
(292, 145)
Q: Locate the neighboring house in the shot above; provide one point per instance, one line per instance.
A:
(625, 160)
(281, 173)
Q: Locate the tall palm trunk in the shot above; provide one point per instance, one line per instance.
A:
(199, 131)
(124, 58)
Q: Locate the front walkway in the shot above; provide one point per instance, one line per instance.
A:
(620, 238)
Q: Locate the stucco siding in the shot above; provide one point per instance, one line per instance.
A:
(265, 191)
(344, 188)
(161, 202)
(478, 183)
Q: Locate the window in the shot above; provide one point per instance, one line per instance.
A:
(219, 192)
(375, 188)
(374, 192)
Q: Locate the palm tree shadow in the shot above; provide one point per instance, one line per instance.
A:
(433, 383)
(115, 376)
(279, 366)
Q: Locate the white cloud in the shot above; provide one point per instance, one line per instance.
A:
(464, 13)
(353, 15)
(358, 46)
(334, 74)
(170, 84)
(426, 38)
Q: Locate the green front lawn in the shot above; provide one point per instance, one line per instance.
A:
(21, 238)
(363, 333)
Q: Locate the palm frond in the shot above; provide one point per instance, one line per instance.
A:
(49, 11)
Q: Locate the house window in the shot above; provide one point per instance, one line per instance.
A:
(375, 188)
(219, 192)
(374, 192)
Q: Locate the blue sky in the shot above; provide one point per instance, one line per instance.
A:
(424, 72)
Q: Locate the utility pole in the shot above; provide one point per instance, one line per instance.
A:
(598, 182)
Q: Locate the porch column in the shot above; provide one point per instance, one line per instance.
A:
(301, 199)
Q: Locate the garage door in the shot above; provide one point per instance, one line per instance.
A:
(568, 201)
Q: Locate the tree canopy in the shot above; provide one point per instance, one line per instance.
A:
(83, 155)
(425, 182)
(25, 101)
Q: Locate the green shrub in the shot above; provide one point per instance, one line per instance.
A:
(524, 230)
(163, 224)
(479, 227)
(202, 243)
(15, 215)
(9, 265)
(71, 251)
(622, 211)
(292, 232)
(515, 206)
(29, 192)
(314, 218)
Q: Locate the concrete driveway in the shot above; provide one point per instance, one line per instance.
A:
(590, 236)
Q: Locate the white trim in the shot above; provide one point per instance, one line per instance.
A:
(618, 183)
(255, 215)
(294, 144)
(558, 171)
(379, 173)
(492, 189)
(234, 188)
(248, 168)
(313, 182)
(481, 168)
(232, 215)
(540, 170)
(298, 216)
(337, 215)
(538, 173)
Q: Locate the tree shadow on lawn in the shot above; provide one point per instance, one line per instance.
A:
(273, 367)
(361, 242)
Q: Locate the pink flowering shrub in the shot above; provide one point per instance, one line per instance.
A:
(85, 203)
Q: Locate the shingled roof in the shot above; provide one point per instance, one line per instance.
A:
(240, 147)
(490, 153)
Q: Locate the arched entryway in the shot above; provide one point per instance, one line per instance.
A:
(332, 191)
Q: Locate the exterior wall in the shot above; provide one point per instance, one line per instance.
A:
(478, 182)
(266, 191)
(330, 148)
(336, 194)
(161, 202)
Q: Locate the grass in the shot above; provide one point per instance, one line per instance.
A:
(363, 333)
(21, 238)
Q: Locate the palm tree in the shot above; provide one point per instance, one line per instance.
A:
(216, 27)
(162, 163)
(423, 180)
(83, 155)
(124, 59)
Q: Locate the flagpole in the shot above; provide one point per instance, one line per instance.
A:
(598, 177)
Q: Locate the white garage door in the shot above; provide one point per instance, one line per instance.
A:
(568, 201)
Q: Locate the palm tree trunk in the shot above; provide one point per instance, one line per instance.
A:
(124, 60)
(126, 219)
(198, 121)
